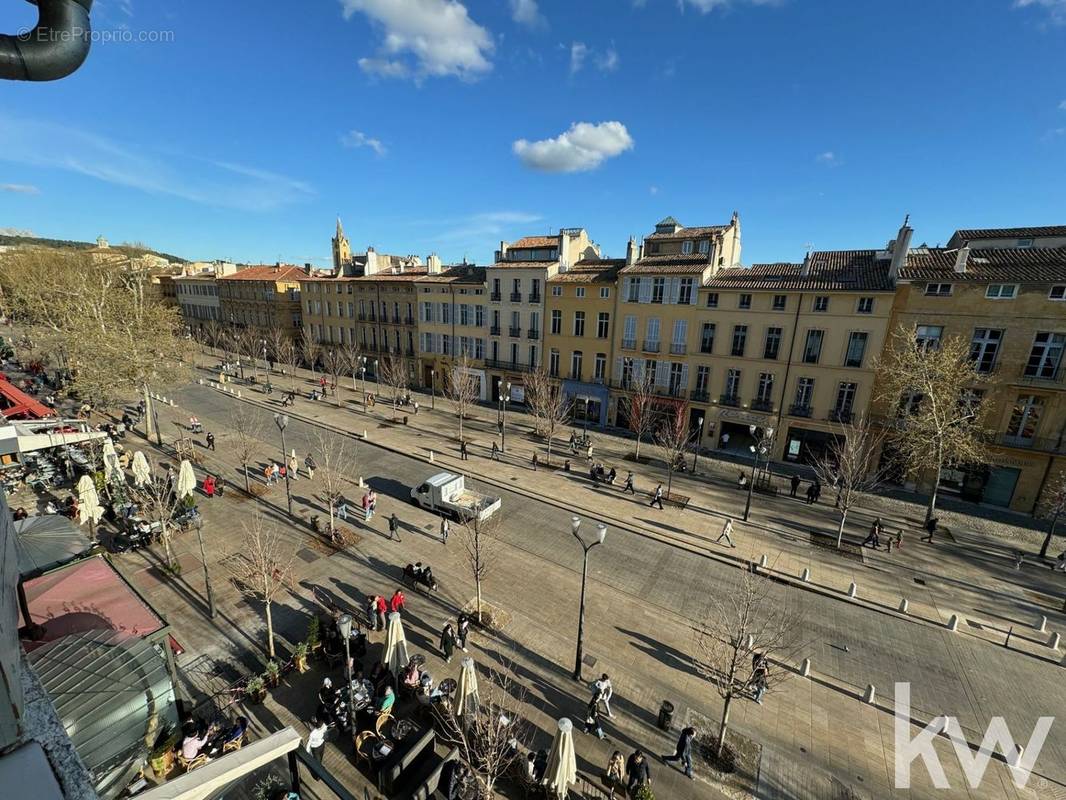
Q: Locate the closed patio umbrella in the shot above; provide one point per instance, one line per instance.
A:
(466, 696)
(562, 763)
(89, 508)
(112, 471)
(142, 473)
(186, 483)
(395, 655)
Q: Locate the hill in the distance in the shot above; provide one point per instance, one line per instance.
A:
(131, 250)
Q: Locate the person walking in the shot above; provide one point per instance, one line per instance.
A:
(683, 750)
(628, 487)
(817, 490)
(602, 692)
(209, 486)
(535, 462)
(588, 453)
(382, 608)
(342, 509)
(727, 532)
(294, 467)
(310, 466)
(930, 528)
(316, 740)
(810, 494)
(445, 529)
(447, 642)
(210, 441)
(394, 527)
(794, 484)
(592, 720)
(616, 771)
(372, 612)
(463, 454)
(658, 498)
(398, 601)
(495, 451)
(462, 631)
(637, 772)
(760, 671)
(368, 512)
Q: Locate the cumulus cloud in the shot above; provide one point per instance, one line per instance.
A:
(583, 147)
(19, 188)
(608, 62)
(1056, 9)
(357, 139)
(422, 38)
(578, 52)
(828, 158)
(525, 12)
(707, 6)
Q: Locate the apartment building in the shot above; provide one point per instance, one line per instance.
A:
(263, 296)
(579, 334)
(1004, 291)
(657, 310)
(452, 314)
(516, 284)
(198, 299)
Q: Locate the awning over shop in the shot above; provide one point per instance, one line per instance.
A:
(48, 541)
(28, 437)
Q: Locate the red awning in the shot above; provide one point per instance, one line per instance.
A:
(16, 404)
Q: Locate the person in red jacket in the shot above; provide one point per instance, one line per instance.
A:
(383, 608)
(398, 601)
(209, 485)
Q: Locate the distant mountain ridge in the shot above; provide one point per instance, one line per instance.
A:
(130, 250)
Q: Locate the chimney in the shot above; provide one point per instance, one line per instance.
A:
(501, 254)
(631, 252)
(900, 248)
(564, 250)
(961, 258)
(805, 269)
(371, 262)
(433, 262)
(307, 268)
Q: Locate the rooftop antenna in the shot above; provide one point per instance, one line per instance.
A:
(809, 246)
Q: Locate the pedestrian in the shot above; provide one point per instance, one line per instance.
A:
(899, 538)
(445, 529)
(930, 528)
(209, 485)
(873, 538)
(342, 509)
(683, 750)
(760, 670)
(616, 771)
(398, 601)
(817, 490)
(394, 527)
(462, 631)
(602, 692)
(495, 451)
(194, 425)
(447, 642)
(462, 450)
(372, 612)
(416, 408)
(210, 441)
(658, 498)
(629, 483)
(367, 511)
(220, 485)
(727, 532)
(294, 467)
(275, 471)
(283, 472)
(382, 609)
(637, 772)
(316, 741)
(795, 484)
(810, 494)
(592, 720)
(588, 453)
(310, 466)
(535, 462)
(1060, 563)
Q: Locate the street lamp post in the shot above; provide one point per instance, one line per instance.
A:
(207, 575)
(281, 420)
(504, 400)
(696, 443)
(432, 389)
(585, 414)
(601, 534)
(344, 626)
(761, 448)
(362, 374)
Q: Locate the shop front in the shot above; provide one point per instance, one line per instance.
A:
(589, 402)
(806, 446)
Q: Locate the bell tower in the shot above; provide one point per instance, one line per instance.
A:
(342, 249)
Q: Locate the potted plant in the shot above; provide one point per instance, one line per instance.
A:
(299, 657)
(314, 635)
(161, 757)
(272, 673)
(255, 689)
(644, 793)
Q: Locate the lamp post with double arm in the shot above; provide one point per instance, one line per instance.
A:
(344, 627)
(281, 420)
(760, 448)
(601, 534)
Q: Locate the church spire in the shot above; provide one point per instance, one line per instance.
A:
(340, 228)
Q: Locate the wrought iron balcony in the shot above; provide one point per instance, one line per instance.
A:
(494, 330)
(799, 410)
(629, 344)
(534, 298)
(495, 297)
(842, 415)
(515, 332)
(729, 400)
(516, 297)
(762, 405)
(650, 346)
(533, 333)
(511, 366)
(677, 349)
(700, 396)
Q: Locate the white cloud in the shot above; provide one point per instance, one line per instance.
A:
(828, 158)
(578, 52)
(525, 12)
(608, 62)
(438, 36)
(1056, 9)
(653, 190)
(1062, 105)
(193, 178)
(707, 6)
(357, 139)
(476, 228)
(585, 146)
(19, 188)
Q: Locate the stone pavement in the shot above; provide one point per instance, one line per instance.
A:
(810, 729)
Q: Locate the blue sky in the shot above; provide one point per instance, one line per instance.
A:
(434, 125)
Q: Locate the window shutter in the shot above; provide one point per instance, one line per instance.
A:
(680, 330)
(675, 289)
(617, 370)
(662, 373)
(684, 377)
(645, 289)
(625, 288)
(631, 328)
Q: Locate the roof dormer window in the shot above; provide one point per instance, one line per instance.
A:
(686, 247)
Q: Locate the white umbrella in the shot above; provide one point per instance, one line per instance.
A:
(395, 655)
(89, 508)
(142, 473)
(466, 696)
(112, 471)
(562, 763)
(186, 483)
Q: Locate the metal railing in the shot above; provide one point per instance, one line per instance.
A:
(795, 410)
(650, 346)
(534, 298)
(513, 366)
(629, 344)
(495, 297)
(729, 400)
(494, 330)
(516, 297)
(533, 333)
(515, 332)
(700, 395)
(843, 415)
(677, 349)
(762, 405)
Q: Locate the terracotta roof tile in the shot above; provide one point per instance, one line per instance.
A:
(1009, 233)
(522, 264)
(1027, 265)
(591, 270)
(535, 241)
(669, 264)
(830, 270)
(267, 272)
(459, 273)
(689, 233)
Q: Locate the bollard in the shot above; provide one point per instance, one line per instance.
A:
(199, 381)
(870, 694)
(903, 606)
(806, 576)
(853, 589)
(430, 456)
(1053, 642)
(238, 394)
(1041, 627)
(763, 561)
(953, 623)
(805, 668)
(365, 434)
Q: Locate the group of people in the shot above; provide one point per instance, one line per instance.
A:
(877, 531)
(378, 608)
(454, 636)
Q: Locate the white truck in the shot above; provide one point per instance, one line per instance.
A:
(446, 493)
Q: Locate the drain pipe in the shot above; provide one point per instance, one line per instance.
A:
(55, 48)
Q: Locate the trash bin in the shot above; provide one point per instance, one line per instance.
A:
(404, 419)
(566, 466)
(666, 715)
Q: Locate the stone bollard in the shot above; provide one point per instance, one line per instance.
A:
(430, 456)
(763, 561)
(1053, 642)
(365, 434)
(806, 576)
(903, 606)
(1041, 627)
(172, 404)
(199, 381)
(870, 695)
(805, 668)
(238, 394)
(953, 623)
(853, 590)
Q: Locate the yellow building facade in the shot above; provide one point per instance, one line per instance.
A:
(452, 313)
(266, 297)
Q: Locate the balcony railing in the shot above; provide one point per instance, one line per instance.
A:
(512, 366)
(494, 330)
(842, 415)
(729, 400)
(700, 396)
(796, 410)
(362, 317)
(395, 319)
(371, 317)
(533, 333)
(1039, 377)
(408, 320)
(677, 349)
(495, 297)
(408, 352)
(1043, 444)
(535, 298)
(515, 332)
(516, 297)
(762, 405)
(629, 344)
(650, 346)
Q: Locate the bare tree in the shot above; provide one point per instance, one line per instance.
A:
(932, 384)
(247, 424)
(480, 540)
(850, 464)
(1054, 506)
(213, 333)
(276, 336)
(158, 502)
(640, 405)
(352, 354)
(548, 404)
(249, 341)
(753, 618)
(673, 439)
(333, 362)
(491, 733)
(461, 387)
(263, 567)
(394, 372)
(335, 465)
(289, 357)
(309, 348)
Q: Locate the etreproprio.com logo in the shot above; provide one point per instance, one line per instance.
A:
(95, 35)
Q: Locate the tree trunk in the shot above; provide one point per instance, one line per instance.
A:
(460, 425)
(840, 528)
(164, 534)
(636, 452)
(549, 450)
(247, 486)
(1050, 532)
(147, 413)
(936, 485)
(724, 725)
(270, 630)
(332, 502)
(669, 481)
